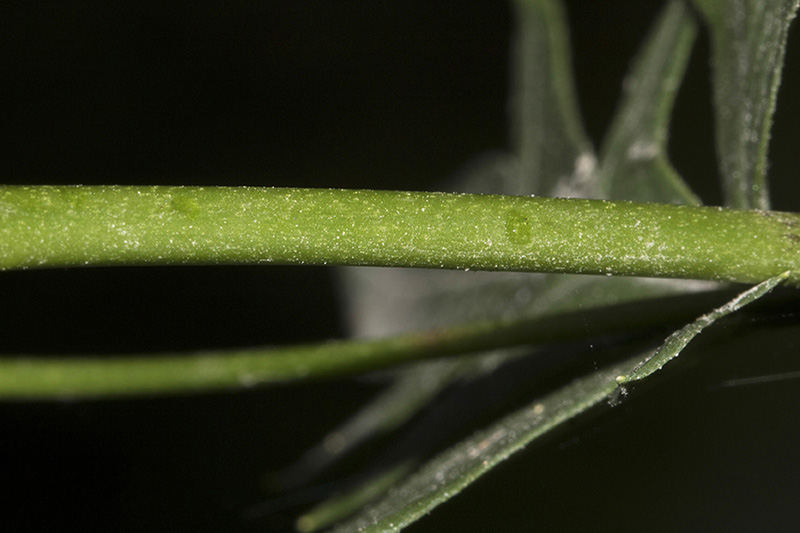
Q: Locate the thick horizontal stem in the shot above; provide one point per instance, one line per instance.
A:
(44, 226)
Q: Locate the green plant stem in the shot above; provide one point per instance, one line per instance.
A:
(45, 226)
(83, 376)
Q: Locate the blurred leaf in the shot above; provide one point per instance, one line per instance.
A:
(748, 40)
(634, 163)
(453, 470)
(547, 133)
(411, 391)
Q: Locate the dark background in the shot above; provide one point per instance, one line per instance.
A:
(396, 95)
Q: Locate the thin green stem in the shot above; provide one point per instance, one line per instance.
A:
(82, 376)
(44, 226)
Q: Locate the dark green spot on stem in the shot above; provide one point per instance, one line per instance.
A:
(185, 206)
(518, 228)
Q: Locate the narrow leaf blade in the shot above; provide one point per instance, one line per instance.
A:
(634, 162)
(676, 342)
(748, 40)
